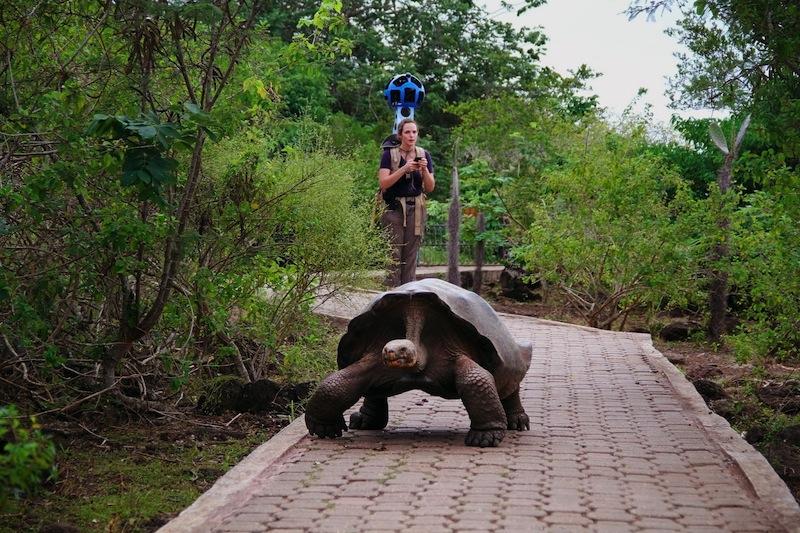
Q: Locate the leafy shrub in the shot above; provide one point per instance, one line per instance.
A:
(278, 230)
(604, 229)
(28, 456)
(766, 270)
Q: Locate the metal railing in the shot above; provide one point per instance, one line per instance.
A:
(433, 250)
(436, 237)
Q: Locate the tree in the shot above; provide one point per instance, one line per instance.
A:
(743, 55)
(456, 49)
(718, 293)
(509, 142)
(604, 228)
(103, 226)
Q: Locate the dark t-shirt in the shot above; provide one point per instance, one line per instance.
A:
(405, 186)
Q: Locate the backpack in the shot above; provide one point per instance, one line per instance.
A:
(380, 204)
(395, 153)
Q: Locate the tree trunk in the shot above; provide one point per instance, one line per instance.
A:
(453, 225)
(718, 288)
(480, 251)
(132, 328)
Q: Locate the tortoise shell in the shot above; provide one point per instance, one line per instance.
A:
(383, 320)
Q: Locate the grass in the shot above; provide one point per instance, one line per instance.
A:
(134, 485)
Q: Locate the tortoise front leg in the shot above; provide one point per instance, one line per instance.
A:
(515, 414)
(374, 414)
(338, 392)
(478, 391)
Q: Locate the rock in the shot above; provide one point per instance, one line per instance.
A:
(784, 459)
(724, 408)
(59, 528)
(755, 434)
(228, 393)
(675, 358)
(790, 435)
(220, 395)
(261, 395)
(678, 330)
(300, 391)
(783, 397)
(704, 371)
(515, 287)
(709, 390)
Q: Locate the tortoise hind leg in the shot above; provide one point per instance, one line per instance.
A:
(516, 416)
(374, 414)
(478, 391)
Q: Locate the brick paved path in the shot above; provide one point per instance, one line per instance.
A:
(619, 441)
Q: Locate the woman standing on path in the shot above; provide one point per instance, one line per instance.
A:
(405, 174)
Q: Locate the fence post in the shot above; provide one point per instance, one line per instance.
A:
(453, 224)
(480, 251)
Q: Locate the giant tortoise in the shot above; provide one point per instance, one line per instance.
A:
(429, 335)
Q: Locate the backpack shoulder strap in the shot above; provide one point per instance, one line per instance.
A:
(395, 153)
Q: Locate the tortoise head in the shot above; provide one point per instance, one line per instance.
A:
(401, 353)
(408, 353)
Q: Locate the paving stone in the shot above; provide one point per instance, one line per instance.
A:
(241, 526)
(658, 524)
(295, 522)
(422, 520)
(566, 519)
(612, 448)
(570, 528)
(611, 515)
(608, 526)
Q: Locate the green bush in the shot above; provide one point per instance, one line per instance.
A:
(766, 270)
(604, 228)
(279, 230)
(28, 456)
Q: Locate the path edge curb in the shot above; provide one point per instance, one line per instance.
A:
(763, 479)
(228, 492)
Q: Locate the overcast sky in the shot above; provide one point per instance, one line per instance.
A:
(629, 54)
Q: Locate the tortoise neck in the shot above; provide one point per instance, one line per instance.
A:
(415, 320)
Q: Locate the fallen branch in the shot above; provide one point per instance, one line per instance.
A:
(232, 420)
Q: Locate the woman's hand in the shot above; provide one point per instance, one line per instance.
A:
(423, 163)
(410, 166)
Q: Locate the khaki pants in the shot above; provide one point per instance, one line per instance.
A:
(405, 244)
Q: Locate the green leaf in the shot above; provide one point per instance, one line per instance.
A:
(192, 108)
(214, 136)
(143, 176)
(129, 178)
(700, 6)
(100, 125)
(147, 132)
